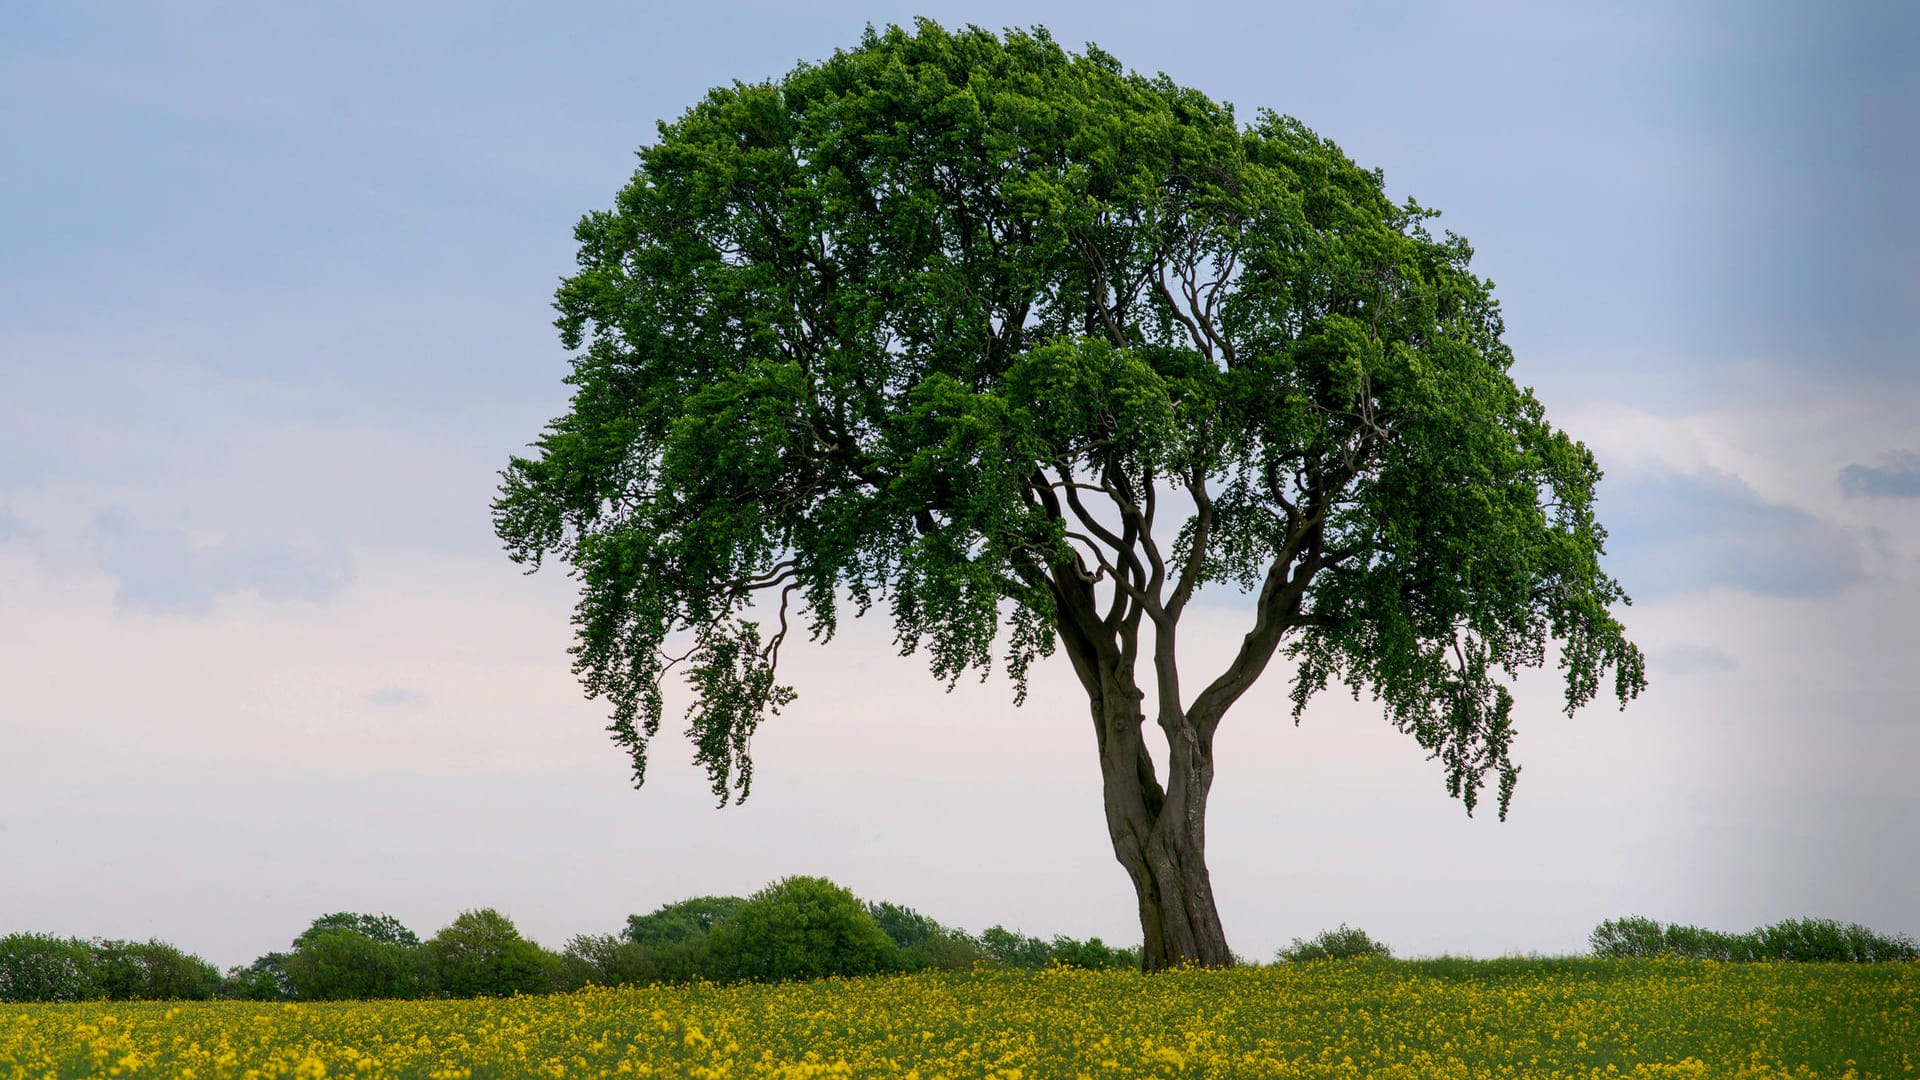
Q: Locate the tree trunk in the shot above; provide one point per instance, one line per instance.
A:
(1159, 836)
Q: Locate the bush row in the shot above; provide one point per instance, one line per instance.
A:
(797, 928)
(1787, 940)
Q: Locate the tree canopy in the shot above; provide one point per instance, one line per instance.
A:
(1029, 349)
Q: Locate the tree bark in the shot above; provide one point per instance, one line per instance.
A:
(1159, 836)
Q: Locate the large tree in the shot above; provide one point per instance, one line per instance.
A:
(1029, 348)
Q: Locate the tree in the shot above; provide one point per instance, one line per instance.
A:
(799, 928)
(1031, 349)
(481, 952)
(41, 967)
(150, 971)
(381, 927)
(336, 963)
(686, 920)
(265, 979)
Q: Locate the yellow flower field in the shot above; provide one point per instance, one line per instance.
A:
(1435, 1019)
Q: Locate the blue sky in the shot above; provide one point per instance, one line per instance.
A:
(274, 309)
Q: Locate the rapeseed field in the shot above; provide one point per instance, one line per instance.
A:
(1389, 1019)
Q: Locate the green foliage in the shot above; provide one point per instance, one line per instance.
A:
(265, 979)
(883, 328)
(613, 960)
(799, 928)
(334, 963)
(1824, 940)
(684, 921)
(1092, 954)
(382, 927)
(1828, 940)
(921, 942)
(40, 967)
(150, 971)
(481, 954)
(1631, 935)
(1342, 943)
(1010, 948)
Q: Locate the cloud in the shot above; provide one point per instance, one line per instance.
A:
(1676, 533)
(396, 697)
(1897, 476)
(164, 571)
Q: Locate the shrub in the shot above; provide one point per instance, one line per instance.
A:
(40, 967)
(1343, 943)
(799, 928)
(338, 964)
(481, 953)
(150, 971)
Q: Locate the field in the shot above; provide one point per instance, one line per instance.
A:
(1423, 1019)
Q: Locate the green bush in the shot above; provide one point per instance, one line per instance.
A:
(40, 967)
(482, 954)
(1343, 943)
(150, 971)
(337, 964)
(799, 928)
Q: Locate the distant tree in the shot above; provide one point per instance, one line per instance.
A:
(685, 920)
(334, 963)
(906, 927)
(1016, 340)
(265, 979)
(1014, 949)
(1823, 940)
(1831, 941)
(922, 942)
(799, 928)
(381, 927)
(151, 971)
(1628, 936)
(1092, 954)
(481, 953)
(40, 967)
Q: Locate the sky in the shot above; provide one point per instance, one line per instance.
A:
(275, 309)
